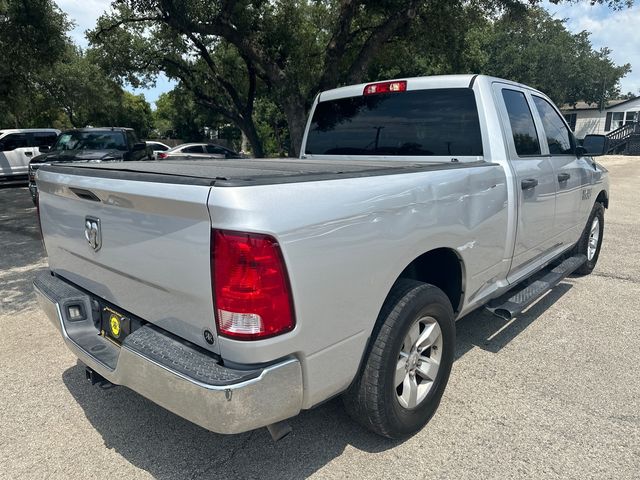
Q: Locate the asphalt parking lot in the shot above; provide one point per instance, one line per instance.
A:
(552, 394)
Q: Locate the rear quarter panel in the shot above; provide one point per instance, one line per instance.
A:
(345, 242)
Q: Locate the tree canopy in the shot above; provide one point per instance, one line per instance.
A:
(258, 64)
(47, 81)
(230, 54)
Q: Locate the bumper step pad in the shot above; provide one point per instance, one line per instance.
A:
(184, 358)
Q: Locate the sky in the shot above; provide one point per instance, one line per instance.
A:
(617, 30)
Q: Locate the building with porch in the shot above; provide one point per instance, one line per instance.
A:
(584, 118)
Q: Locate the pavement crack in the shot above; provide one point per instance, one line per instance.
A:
(222, 463)
(616, 277)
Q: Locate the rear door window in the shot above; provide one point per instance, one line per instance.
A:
(13, 141)
(559, 140)
(412, 123)
(525, 136)
(132, 137)
(216, 150)
(193, 149)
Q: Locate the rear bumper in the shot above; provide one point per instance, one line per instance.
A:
(172, 373)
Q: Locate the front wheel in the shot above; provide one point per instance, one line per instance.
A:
(408, 363)
(591, 240)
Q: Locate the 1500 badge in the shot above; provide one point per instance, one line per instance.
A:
(586, 193)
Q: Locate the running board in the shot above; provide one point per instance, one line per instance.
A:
(517, 299)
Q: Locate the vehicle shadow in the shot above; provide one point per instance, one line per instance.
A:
(21, 251)
(168, 447)
(483, 329)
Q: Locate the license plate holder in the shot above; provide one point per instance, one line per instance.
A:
(114, 325)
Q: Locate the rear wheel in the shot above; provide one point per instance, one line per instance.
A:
(591, 240)
(408, 364)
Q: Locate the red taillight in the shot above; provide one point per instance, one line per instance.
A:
(385, 87)
(162, 155)
(250, 285)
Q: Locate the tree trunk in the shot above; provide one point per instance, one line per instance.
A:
(249, 129)
(296, 113)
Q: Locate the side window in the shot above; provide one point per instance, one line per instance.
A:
(131, 138)
(193, 149)
(216, 150)
(525, 136)
(13, 141)
(557, 133)
(44, 139)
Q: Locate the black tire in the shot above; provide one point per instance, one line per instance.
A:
(582, 246)
(372, 400)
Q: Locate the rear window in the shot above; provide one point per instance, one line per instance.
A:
(412, 123)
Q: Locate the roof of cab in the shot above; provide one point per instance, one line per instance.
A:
(418, 83)
(28, 130)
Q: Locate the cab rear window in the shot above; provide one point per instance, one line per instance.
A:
(412, 123)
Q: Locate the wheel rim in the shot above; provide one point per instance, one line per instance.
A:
(594, 238)
(418, 363)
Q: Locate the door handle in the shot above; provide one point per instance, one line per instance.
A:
(563, 177)
(528, 183)
(28, 154)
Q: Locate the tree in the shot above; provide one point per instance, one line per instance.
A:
(538, 50)
(32, 39)
(78, 86)
(224, 51)
(135, 112)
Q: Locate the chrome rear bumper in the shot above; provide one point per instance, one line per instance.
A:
(227, 401)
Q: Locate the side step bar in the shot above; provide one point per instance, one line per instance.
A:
(517, 299)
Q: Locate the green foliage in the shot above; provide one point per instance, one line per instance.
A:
(539, 51)
(135, 112)
(32, 39)
(272, 128)
(252, 61)
(46, 81)
(179, 115)
(257, 65)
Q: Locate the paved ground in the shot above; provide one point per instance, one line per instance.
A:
(554, 394)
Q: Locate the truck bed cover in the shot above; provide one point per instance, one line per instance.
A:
(247, 172)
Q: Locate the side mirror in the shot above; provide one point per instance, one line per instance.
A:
(594, 146)
(139, 146)
(44, 148)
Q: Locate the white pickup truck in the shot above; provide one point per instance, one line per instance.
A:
(237, 293)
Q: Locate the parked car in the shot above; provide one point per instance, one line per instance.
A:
(18, 147)
(105, 144)
(236, 293)
(188, 151)
(157, 147)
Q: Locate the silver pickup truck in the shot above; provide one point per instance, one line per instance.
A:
(236, 293)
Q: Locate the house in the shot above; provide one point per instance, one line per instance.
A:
(584, 118)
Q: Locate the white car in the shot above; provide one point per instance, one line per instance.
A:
(157, 147)
(19, 146)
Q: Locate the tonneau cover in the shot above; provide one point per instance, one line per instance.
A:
(245, 172)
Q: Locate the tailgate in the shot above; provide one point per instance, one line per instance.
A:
(153, 257)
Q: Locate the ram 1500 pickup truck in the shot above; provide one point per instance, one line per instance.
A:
(236, 293)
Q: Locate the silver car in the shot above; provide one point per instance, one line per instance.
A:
(188, 151)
